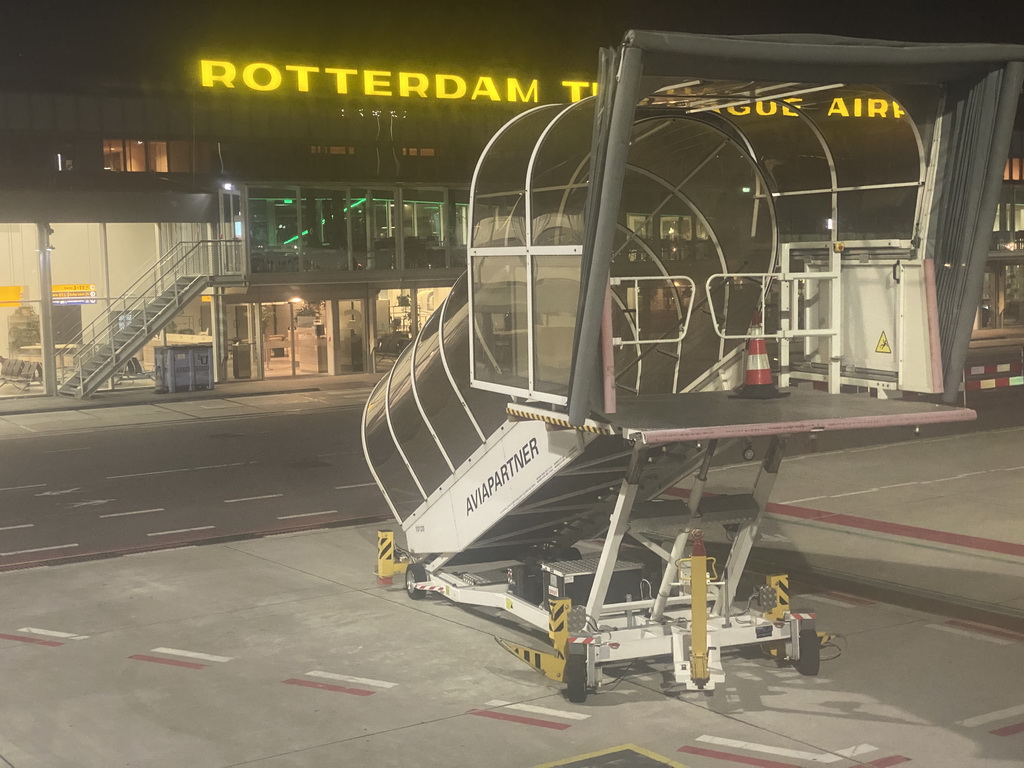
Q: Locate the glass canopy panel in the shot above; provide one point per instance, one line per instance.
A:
(869, 134)
(693, 205)
(784, 142)
(499, 192)
(488, 408)
(395, 480)
(500, 320)
(804, 218)
(440, 403)
(411, 431)
(556, 287)
(703, 168)
(869, 214)
(561, 170)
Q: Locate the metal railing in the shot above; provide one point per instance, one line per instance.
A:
(145, 308)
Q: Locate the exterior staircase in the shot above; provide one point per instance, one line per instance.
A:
(180, 276)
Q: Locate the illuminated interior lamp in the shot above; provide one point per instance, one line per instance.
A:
(228, 186)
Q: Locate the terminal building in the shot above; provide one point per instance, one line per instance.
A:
(298, 218)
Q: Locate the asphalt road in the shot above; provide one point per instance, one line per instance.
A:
(88, 492)
(82, 491)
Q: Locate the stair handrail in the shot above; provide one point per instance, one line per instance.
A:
(184, 259)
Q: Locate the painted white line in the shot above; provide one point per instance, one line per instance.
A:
(20, 487)
(15, 527)
(181, 530)
(39, 549)
(991, 717)
(537, 710)
(69, 450)
(191, 654)
(860, 749)
(799, 501)
(765, 749)
(306, 514)
(52, 633)
(968, 633)
(832, 601)
(170, 471)
(254, 498)
(91, 503)
(136, 512)
(350, 679)
(59, 493)
(357, 485)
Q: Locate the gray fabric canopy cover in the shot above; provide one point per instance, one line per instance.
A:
(982, 83)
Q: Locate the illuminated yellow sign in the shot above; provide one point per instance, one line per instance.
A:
(10, 295)
(262, 76)
(841, 106)
(74, 293)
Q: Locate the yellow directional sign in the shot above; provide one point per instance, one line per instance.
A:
(883, 345)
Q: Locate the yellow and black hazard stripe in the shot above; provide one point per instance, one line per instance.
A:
(557, 421)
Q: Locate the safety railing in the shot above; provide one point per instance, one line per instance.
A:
(156, 296)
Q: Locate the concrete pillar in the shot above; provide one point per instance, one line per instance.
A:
(49, 352)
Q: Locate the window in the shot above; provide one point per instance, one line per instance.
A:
(136, 155)
(323, 149)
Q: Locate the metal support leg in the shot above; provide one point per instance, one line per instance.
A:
(747, 535)
(617, 527)
(680, 543)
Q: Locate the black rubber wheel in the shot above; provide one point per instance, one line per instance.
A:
(576, 678)
(413, 574)
(809, 662)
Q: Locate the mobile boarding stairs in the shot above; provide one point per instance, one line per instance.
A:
(627, 253)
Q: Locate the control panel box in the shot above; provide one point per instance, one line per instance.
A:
(574, 578)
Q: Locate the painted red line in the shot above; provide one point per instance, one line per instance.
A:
(742, 759)
(1009, 730)
(885, 762)
(519, 719)
(171, 662)
(985, 629)
(328, 687)
(898, 529)
(881, 526)
(35, 640)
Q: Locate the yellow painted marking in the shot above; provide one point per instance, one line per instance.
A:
(571, 762)
(883, 345)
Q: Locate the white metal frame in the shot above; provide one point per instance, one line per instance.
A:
(619, 631)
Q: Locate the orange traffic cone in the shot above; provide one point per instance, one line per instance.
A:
(757, 383)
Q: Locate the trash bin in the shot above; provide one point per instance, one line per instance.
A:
(183, 368)
(241, 360)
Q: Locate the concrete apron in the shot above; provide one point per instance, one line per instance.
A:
(283, 651)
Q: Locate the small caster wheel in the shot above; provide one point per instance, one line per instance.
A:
(809, 663)
(748, 453)
(576, 678)
(413, 574)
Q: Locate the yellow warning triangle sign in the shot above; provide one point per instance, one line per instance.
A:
(883, 345)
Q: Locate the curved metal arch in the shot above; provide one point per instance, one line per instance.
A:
(745, 150)
(533, 161)
(447, 367)
(391, 427)
(676, 192)
(416, 395)
(630, 321)
(366, 452)
(486, 153)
